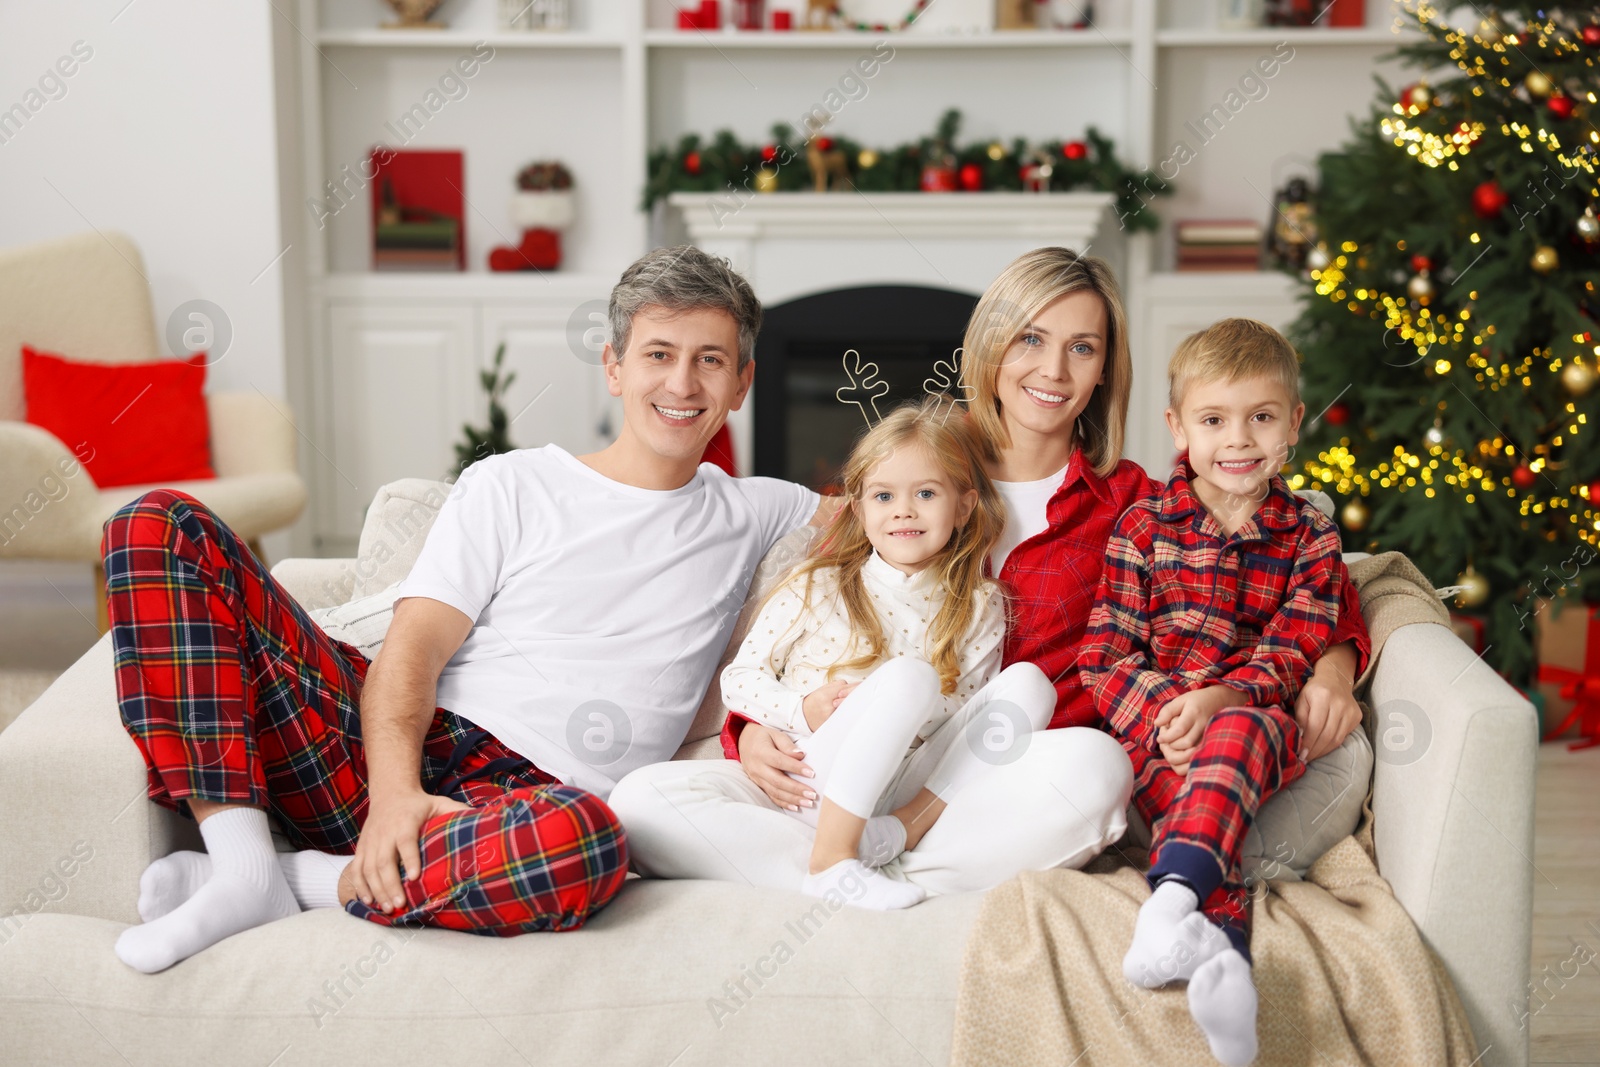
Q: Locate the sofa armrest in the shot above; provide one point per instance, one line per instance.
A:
(251, 433)
(76, 827)
(52, 506)
(317, 583)
(1452, 803)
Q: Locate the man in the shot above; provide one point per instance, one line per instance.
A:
(559, 629)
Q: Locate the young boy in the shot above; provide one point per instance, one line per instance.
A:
(1217, 598)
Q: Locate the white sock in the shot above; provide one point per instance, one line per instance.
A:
(882, 840)
(170, 881)
(1171, 938)
(246, 889)
(857, 885)
(313, 878)
(1222, 1000)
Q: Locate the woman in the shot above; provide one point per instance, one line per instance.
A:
(1047, 352)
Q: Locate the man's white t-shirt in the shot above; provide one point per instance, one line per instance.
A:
(600, 609)
(1026, 506)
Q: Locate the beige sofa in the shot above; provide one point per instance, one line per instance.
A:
(671, 972)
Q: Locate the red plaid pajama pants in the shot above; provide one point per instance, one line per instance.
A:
(1198, 821)
(233, 694)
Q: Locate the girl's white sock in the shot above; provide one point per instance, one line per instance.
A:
(856, 885)
(246, 889)
(1171, 938)
(313, 878)
(1222, 1000)
(882, 840)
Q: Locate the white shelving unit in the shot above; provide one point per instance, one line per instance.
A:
(391, 360)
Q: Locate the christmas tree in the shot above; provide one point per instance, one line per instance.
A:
(1449, 330)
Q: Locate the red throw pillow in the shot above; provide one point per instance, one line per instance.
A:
(129, 423)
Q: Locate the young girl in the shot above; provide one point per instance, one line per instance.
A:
(883, 651)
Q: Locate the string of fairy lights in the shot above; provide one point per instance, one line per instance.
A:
(1442, 338)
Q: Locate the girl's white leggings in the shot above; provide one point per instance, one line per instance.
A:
(1018, 797)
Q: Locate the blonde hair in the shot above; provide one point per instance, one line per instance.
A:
(1229, 350)
(1029, 284)
(937, 425)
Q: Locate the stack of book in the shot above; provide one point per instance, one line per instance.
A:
(1219, 244)
(417, 244)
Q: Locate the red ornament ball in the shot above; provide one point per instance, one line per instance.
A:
(1421, 263)
(691, 162)
(825, 143)
(1594, 491)
(971, 177)
(1560, 105)
(1488, 200)
(1075, 150)
(1337, 414)
(1591, 36)
(1523, 477)
(769, 153)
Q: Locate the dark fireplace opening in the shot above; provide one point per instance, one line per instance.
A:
(803, 432)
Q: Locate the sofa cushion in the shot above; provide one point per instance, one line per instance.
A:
(397, 524)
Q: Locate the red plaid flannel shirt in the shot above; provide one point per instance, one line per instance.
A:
(1054, 577)
(1183, 605)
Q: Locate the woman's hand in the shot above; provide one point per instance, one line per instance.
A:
(768, 758)
(1327, 709)
(392, 836)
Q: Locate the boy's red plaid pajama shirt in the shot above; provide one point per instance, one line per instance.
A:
(233, 694)
(1183, 606)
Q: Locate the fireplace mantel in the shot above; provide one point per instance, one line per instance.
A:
(790, 245)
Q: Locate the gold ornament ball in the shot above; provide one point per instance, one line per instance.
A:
(1420, 97)
(867, 159)
(1538, 83)
(766, 180)
(1544, 259)
(997, 151)
(1579, 378)
(1420, 288)
(1588, 226)
(1355, 514)
(1474, 588)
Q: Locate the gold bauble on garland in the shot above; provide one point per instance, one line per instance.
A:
(1474, 588)
(1544, 259)
(1579, 378)
(766, 180)
(1538, 83)
(1355, 514)
(867, 159)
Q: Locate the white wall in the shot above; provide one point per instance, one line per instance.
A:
(166, 132)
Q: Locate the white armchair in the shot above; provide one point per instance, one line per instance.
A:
(86, 297)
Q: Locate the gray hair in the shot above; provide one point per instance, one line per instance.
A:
(684, 278)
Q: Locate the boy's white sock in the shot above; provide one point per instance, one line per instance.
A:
(1222, 1000)
(1171, 938)
(856, 885)
(246, 889)
(313, 878)
(882, 840)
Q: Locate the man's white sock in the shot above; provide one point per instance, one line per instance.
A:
(882, 840)
(1222, 1000)
(313, 878)
(862, 888)
(246, 889)
(1171, 938)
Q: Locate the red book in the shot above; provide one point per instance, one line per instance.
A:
(424, 183)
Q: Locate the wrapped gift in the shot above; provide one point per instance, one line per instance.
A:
(1470, 629)
(1567, 648)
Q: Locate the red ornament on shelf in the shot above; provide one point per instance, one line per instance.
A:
(1523, 477)
(938, 178)
(1591, 36)
(1421, 263)
(1560, 105)
(1488, 200)
(769, 153)
(971, 177)
(1075, 150)
(1594, 491)
(1338, 413)
(691, 162)
(825, 144)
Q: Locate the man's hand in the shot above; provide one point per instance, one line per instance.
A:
(768, 758)
(1327, 709)
(820, 704)
(391, 836)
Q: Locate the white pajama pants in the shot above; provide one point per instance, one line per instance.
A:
(1017, 797)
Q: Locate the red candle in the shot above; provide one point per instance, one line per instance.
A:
(783, 20)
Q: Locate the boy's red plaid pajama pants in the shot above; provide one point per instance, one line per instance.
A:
(233, 694)
(1198, 822)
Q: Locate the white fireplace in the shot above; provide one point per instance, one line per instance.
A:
(792, 245)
